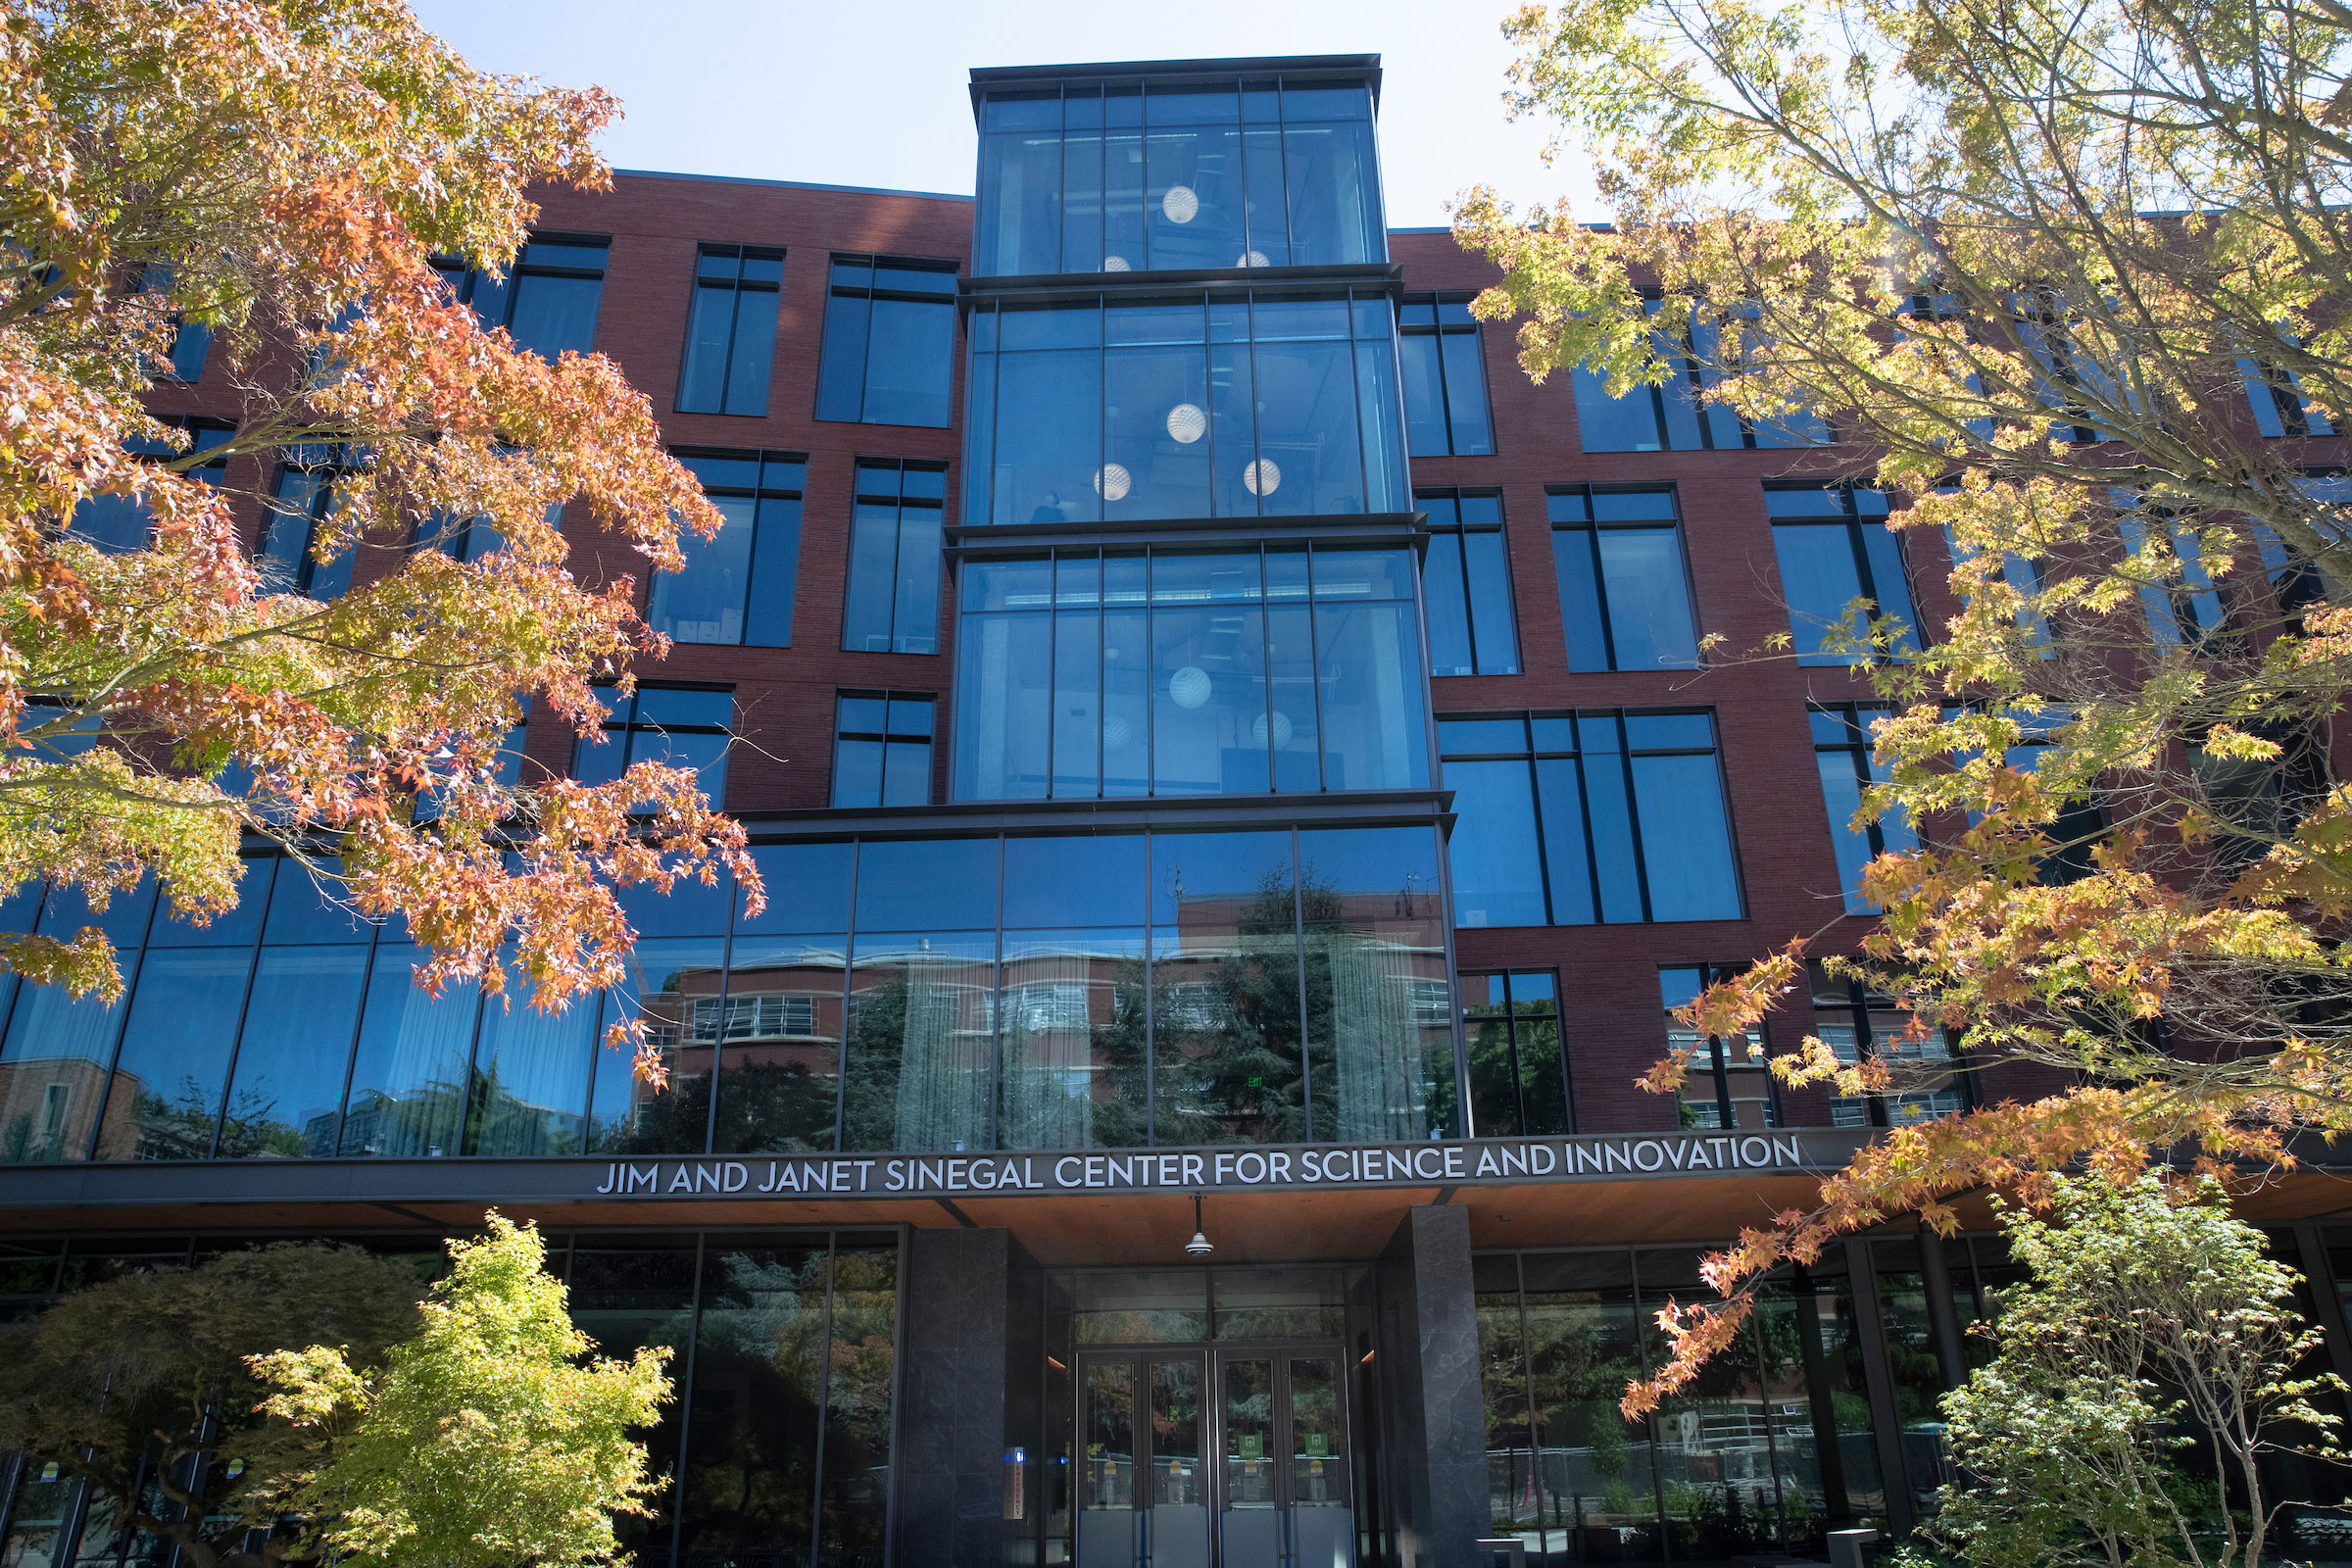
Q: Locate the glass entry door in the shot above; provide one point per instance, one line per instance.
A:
(1282, 1455)
(1143, 1498)
(1258, 1435)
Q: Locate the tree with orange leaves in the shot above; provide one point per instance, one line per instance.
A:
(280, 172)
(2070, 283)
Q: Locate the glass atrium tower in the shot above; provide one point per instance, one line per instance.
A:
(1187, 594)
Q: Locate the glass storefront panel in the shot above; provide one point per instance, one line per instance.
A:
(921, 1040)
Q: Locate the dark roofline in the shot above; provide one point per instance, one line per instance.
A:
(792, 185)
(985, 77)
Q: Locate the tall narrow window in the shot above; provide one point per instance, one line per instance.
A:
(890, 341)
(298, 518)
(882, 748)
(677, 726)
(1728, 1084)
(1842, 568)
(2022, 574)
(1669, 416)
(1466, 585)
(731, 332)
(1625, 595)
(1624, 812)
(117, 523)
(1518, 1076)
(2185, 609)
(1444, 378)
(549, 297)
(1859, 1024)
(1843, 750)
(894, 559)
(190, 340)
(738, 587)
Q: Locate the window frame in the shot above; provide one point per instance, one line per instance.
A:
(1592, 525)
(1854, 1012)
(1511, 1017)
(466, 279)
(1533, 754)
(851, 578)
(757, 493)
(1458, 531)
(888, 738)
(333, 463)
(871, 291)
(736, 288)
(622, 723)
(1714, 1058)
(1439, 328)
(1866, 574)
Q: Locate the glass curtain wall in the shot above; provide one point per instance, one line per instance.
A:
(1233, 403)
(1124, 673)
(1105, 990)
(1770, 1447)
(1089, 178)
(783, 1345)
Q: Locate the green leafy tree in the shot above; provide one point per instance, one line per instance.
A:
(486, 1440)
(2153, 1324)
(140, 1386)
(2068, 282)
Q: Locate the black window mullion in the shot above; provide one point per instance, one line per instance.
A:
(1307, 1083)
(994, 1132)
(236, 1040)
(1534, 798)
(114, 1054)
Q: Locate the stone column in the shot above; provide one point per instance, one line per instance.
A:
(962, 1332)
(1434, 1417)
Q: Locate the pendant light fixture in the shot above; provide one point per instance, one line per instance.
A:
(1198, 1245)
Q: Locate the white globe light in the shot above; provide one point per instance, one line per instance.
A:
(1261, 477)
(1188, 686)
(1114, 264)
(1182, 204)
(1117, 734)
(1112, 481)
(1282, 729)
(1254, 259)
(1187, 423)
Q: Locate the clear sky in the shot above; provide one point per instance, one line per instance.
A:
(862, 92)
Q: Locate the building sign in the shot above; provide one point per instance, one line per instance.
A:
(1484, 1162)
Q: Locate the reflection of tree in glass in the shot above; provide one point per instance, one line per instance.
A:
(179, 1127)
(859, 1359)
(1229, 1060)
(751, 1472)
(772, 1106)
(1069, 1081)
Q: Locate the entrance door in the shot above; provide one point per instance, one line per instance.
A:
(1283, 1452)
(1142, 1499)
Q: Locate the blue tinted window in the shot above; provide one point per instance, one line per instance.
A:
(675, 726)
(896, 533)
(2188, 608)
(1693, 350)
(1444, 380)
(1078, 881)
(1217, 675)
(1192, 176)
(298, 523)
(731, 331)
(943, 884)
(890, 342)
(737, 587)
(292, 1056)
(548, 300)
(409, 1079)
(1130, 413)
(1631, 823)
(1838, 574)
(117, 523)
(882, 750)
(807, 885)
(1842, 747)
(1625, 599)
(1467, 583)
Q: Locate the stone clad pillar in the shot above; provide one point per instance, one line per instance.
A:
(961, 1340)
(1432, 1415)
